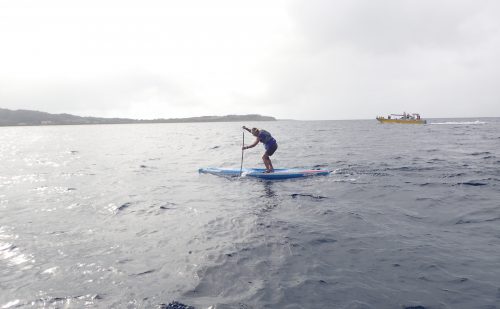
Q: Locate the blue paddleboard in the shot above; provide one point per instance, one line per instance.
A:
(279, 173)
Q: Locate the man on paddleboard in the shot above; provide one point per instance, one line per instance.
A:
(269, 143)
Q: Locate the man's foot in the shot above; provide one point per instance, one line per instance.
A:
(269, 171)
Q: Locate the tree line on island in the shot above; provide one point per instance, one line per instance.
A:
(35, 118)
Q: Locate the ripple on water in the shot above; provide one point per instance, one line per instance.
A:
(12, 254)
(473, 183)
(481, 216)
(306, 195)
(87, 301)
(52, 190)
(356, 239)
(50, 271)
(484, 153)
(116, 209)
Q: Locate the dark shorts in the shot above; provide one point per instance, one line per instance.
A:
(271, 149)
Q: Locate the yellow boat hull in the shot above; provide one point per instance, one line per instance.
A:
(405, 121)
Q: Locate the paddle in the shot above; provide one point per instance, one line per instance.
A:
(243, 145)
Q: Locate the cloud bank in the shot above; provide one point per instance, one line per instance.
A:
(290, 59)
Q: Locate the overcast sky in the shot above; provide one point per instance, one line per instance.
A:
(325, 59)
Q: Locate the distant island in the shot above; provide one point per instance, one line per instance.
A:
(35, 118)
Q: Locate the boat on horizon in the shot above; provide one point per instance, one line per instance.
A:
(404, 118)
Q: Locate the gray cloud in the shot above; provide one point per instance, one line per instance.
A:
(357, 59)
(394, 25)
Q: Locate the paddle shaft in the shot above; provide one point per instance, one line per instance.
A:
(242, 145)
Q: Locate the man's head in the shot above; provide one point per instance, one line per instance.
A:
(255, 131)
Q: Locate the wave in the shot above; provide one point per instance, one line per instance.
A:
(59, 302)
(460, 122)
(317, 197)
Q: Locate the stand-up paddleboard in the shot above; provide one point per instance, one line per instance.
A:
(279, 173)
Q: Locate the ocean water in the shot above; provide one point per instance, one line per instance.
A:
(117, 216)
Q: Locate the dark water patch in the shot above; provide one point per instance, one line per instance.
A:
(480, 153)
(144, 166)
(145, 272)
(322, 241)
(73, 152)
(8, 247)
(328, 212)
(460, 280)
(124, 206)
(269, 193)
(435, 160)
(175, 305)
(414, 217)
(355, 215)
(415, 307)
(145, 232)
(264, 225)
(422, 199)
(166, 205)
(315, 197)
(56, 232)
(70, 189)
(453, 175)
(215, 147)
(469, 221)
(124, 261)
(471, 183)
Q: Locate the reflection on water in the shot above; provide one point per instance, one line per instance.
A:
(269, 200)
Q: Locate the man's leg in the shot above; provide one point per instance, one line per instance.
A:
(267, 163)
(271, 168)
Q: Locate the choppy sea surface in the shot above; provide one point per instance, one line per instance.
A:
(117, 216)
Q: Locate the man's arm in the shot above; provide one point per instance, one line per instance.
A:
(252, 145)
